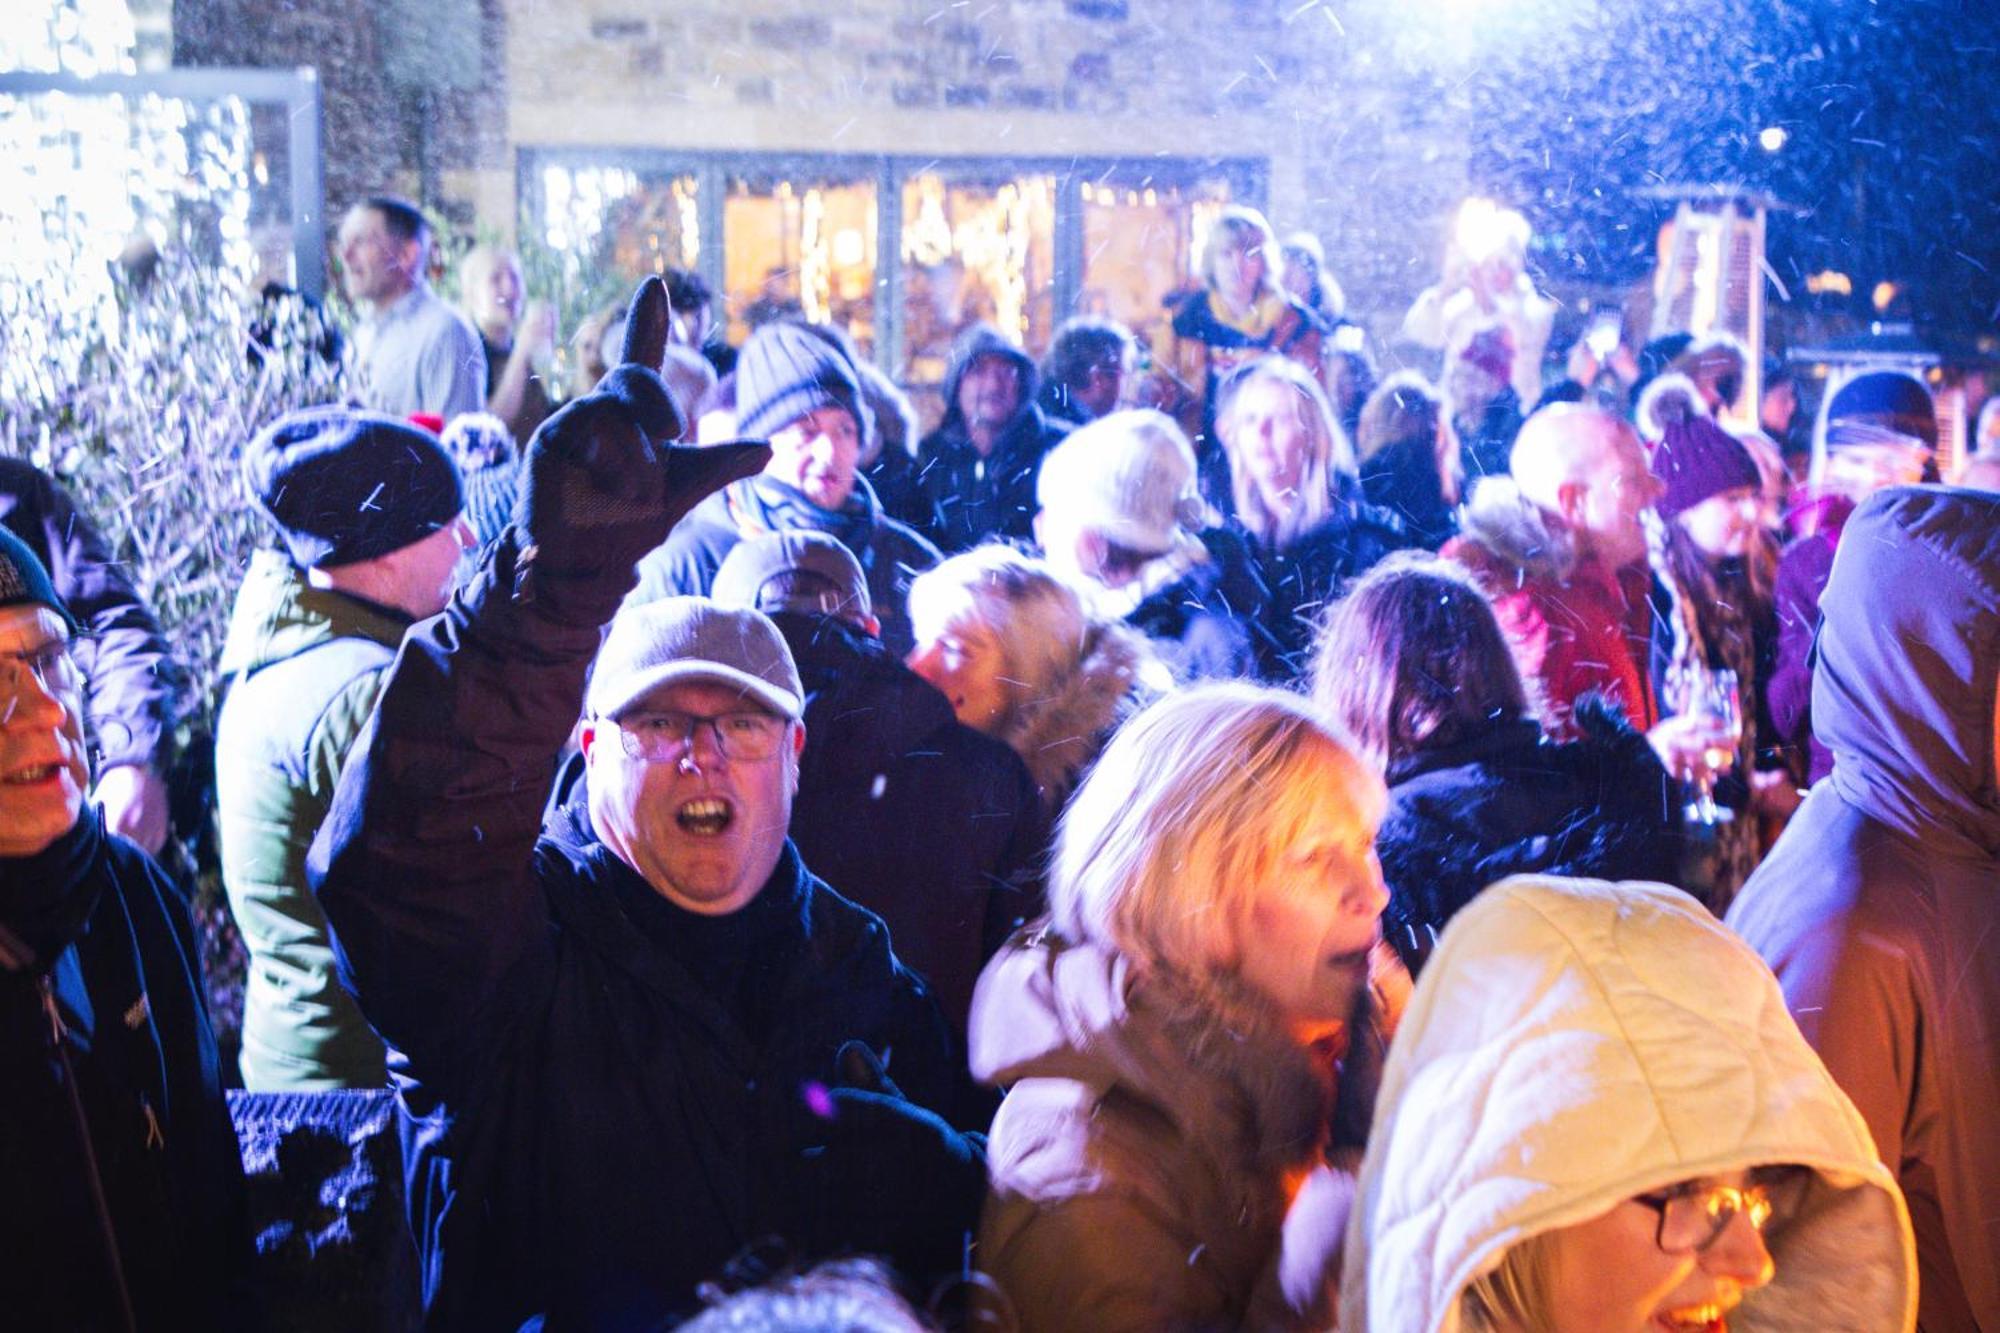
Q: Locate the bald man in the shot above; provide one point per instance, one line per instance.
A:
(1559, 546)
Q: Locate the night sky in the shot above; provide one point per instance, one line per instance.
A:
(1891, 112)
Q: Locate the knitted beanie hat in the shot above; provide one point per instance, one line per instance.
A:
(1697, 459)
(784, 373)
(23, 580)
(343, 485)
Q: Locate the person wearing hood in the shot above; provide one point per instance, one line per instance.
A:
(928, 823)
(1875, 907)
(125, 1188)
(976, 471)
(1298, 505)
(1413, 664)
(1123, 520)
(1876, 431)
(1597, 1117)
(1023, 659)
(797, 389)
(1191, 1046)
(370, 512)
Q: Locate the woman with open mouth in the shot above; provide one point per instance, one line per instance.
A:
(1191, 1044)
(1600, 1118)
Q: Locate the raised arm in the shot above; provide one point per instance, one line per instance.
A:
(426, 863)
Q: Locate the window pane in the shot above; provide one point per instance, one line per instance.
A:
(975, 251)
(800, 246)
(1142, 246)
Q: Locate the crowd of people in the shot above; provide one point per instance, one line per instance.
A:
(1444, 852)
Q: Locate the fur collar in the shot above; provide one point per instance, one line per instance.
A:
(1061, 732)
(1518, 532)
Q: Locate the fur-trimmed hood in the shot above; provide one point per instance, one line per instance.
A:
(1216, 1064)
(1060, 733)
(1575, 1043)
(1515, 531)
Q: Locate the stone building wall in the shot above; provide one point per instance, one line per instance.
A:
(1356, 153)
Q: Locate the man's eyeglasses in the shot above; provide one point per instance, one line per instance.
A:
(1694, 1216)
(666, 738)
(52, 664)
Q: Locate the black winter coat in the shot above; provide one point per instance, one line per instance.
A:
(891, 555)
(133, 685)
(969, 497)
(1300, 581)
(911, 813)
(1509, 802)
(96, 942)
(589, 1131)
(1204, 624)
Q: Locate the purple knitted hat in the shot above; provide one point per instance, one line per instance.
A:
(1697, 459)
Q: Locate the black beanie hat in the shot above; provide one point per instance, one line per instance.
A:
(23, 580)
(344, 485)
(786, 372)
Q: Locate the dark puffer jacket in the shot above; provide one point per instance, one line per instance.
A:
(107, 1066)
(1510, 802)
(911, 813)
(973, 497)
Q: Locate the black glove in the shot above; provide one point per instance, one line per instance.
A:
(887, 1176)
(603, 482)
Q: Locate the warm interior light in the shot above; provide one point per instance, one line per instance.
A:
(1773, 138)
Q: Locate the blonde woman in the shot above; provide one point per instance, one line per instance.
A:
(1240, 311)
(1600, 1118)
(1021, 659)
(1297, 504)
(1192, 1043)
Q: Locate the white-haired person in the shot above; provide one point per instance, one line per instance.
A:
(1191, 1045)
(1121, 517)
(1023, 659)
(1240, 311)
(1298, 505)
(1598, 1117)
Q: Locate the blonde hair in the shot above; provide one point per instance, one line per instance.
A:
(1244, 225)
(1328, 450)
(1037, 618)
(1164, 844)
(1516, 1293)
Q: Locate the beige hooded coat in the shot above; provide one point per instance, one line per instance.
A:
(1574, 1043)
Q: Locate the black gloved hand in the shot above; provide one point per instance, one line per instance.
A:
(887, 1176)
(603, 483)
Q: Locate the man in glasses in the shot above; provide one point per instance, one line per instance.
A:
(127, 1190)
(627, 1044)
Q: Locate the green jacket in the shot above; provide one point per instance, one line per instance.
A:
(304, 666)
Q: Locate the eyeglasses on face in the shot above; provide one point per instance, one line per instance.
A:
(1693, 1216)
(51, 663)
(747, 736)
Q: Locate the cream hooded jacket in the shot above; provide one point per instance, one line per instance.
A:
(1574, 1043)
